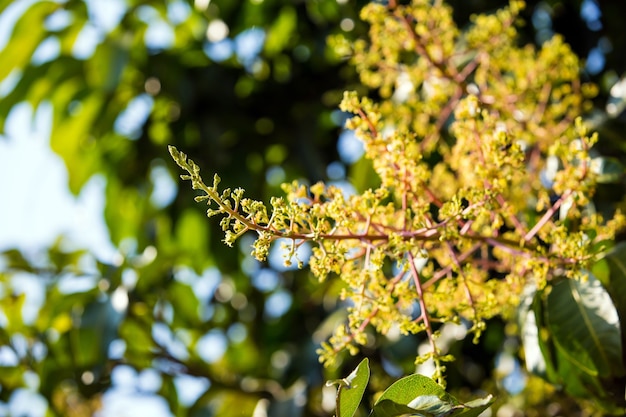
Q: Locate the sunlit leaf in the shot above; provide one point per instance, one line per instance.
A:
(12, 307)
(192, 233)
(407, 389)
(280, 34)
(350, 389)
(28, 32)
(124, 211)
(414, 392)
(11, 377)
(419, 395)
(71, 140)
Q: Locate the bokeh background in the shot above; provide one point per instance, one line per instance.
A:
(117, 296)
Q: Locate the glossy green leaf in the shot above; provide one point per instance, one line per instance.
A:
(409, 388)
(414, 392)
(585, 326)
(475, 407)
(351, 389)
(546, 358)
(431, 406)
(419, 395)
(388, 408)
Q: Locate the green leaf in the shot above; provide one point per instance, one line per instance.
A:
(573, 379)
(27, 34)
(14, 259)
(609, 170)
(351, 389)
(90, 340)
(136, 336)
(414, 392)
(11, 377)
(192, 237)
(12, 306)
(602, 271)
(362, 175)
(407, 389)
(388, 408)
(613, 277)
(545, 358)
(585, 326)
(538, 350)
(432, 406)
(104, 70)
(186, 304)
(475, 407)
(280, 34)
(419, 395)
(125, 210)
(70, 137)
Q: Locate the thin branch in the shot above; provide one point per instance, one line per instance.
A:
(547, 216)
(420, 293)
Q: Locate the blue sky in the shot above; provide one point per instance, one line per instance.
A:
(38, 207)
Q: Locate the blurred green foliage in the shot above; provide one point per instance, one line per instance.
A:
(174, 286)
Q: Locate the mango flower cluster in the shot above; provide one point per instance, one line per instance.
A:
(486, 178)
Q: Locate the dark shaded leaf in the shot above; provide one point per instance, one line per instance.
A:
(585, 325)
